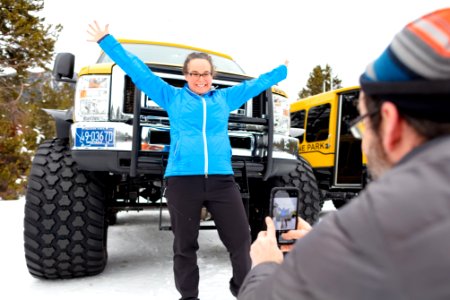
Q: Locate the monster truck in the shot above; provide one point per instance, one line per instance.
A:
(111, 149)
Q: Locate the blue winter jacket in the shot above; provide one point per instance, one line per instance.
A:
(199, 142)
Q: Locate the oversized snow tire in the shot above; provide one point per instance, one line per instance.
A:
(65, 228)
(303, 178)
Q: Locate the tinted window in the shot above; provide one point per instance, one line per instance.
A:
(318, 122)
(350, 156)
(298, 121)
(349, 110)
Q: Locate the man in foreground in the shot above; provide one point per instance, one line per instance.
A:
(393, 240)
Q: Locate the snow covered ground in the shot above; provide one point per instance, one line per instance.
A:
(139, 262)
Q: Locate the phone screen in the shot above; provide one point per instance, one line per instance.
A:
(284, 207)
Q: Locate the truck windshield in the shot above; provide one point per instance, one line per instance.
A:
(160, 54)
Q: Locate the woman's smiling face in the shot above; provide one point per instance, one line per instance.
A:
(199, 76)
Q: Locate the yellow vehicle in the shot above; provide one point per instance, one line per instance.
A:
(327, 143)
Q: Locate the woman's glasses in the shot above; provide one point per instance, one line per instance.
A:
(198, 75)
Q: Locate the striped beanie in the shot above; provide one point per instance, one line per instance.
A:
(414, 70)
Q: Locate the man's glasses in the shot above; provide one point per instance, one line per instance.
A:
(198, 75)
(357, 126)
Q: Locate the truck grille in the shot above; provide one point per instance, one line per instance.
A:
(259, 109)
(238, 142)
(128, 97)
(160, 137)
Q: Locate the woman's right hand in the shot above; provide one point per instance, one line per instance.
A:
(96, 32)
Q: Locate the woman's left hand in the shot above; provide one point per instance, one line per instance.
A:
(96, 32)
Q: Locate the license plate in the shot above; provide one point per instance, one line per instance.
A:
(94, 137)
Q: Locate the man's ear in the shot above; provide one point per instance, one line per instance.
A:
(391, 127)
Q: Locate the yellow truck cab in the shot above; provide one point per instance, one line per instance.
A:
(327, 143)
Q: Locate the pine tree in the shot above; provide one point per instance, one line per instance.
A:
(25, 42)
(319, 82)
(53, 96)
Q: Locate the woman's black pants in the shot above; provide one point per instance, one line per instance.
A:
(186, 195)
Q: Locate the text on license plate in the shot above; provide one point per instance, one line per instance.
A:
(94, 137)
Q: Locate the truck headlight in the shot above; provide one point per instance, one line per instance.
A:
(92, 98)
(281, 116)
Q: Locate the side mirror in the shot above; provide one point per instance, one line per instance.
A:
(63, 67)
(296, 132)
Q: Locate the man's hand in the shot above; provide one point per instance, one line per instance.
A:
(303, 228)
(265, 248)
(96, 32)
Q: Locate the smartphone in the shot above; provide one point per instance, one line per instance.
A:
(284, 210)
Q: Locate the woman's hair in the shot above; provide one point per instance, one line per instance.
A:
(426, 128)
(200, 55)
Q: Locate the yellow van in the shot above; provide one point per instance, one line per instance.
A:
(325, 141)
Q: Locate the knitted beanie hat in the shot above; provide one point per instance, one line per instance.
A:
(414, 70)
